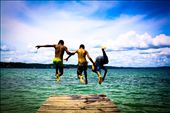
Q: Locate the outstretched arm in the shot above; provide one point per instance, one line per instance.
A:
(70, 54)
(38, 46)
(90, 58)
(67, 51)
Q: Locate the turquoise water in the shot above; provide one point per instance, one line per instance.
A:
(132, 90)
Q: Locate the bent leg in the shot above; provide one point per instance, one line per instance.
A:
(105, 72)
(100, 77)
(106, 61)
(60, 73)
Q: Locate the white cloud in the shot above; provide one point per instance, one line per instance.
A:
(161, 40)
(132, 40)
(32, 48)
(8, 59)
(4, 48)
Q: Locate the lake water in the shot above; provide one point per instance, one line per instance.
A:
(132, 90)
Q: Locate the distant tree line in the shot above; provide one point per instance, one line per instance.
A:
(30, 65)
(51, 66)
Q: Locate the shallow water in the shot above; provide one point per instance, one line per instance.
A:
(132, 90)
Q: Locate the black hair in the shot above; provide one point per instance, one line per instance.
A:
(82, 46)
(61, 42)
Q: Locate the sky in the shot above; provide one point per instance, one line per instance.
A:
(136, 33)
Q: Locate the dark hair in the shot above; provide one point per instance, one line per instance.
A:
(82, 46)
(61, 42)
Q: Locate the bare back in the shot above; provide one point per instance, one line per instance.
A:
(82, 56)
(59, 51)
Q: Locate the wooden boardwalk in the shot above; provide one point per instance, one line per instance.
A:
(78, 104)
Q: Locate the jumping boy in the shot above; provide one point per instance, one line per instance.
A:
(82, 63)
(58, 60)
(99, 64)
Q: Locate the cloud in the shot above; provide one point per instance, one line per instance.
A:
(4, 48)
(134, 41)
(151, 52)
(161, 41)
(8, 59)
(32, 49)
(134, 58)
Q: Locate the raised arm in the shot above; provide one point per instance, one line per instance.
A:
(90, 58)
(38, 46)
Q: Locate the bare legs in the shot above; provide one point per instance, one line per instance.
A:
(80, 76)
(60, 73)
(85, 73)
(100, 77)
(105, 61)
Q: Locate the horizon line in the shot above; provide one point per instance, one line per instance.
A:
(88, 65)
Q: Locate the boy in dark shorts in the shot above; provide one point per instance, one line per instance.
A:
(82, 63)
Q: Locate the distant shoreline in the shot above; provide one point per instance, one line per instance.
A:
(52, 66)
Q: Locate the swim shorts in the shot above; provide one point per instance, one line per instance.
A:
(58, 62)
(81, 68)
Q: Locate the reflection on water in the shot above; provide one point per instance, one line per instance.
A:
(133, 90)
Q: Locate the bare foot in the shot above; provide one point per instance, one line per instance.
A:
(81, 80)
(58, 78)
(103, 47)
(100, 80)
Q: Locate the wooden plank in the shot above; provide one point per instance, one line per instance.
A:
(77, 111)
(78, 104)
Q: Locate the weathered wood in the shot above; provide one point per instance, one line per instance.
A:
(78, 104)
